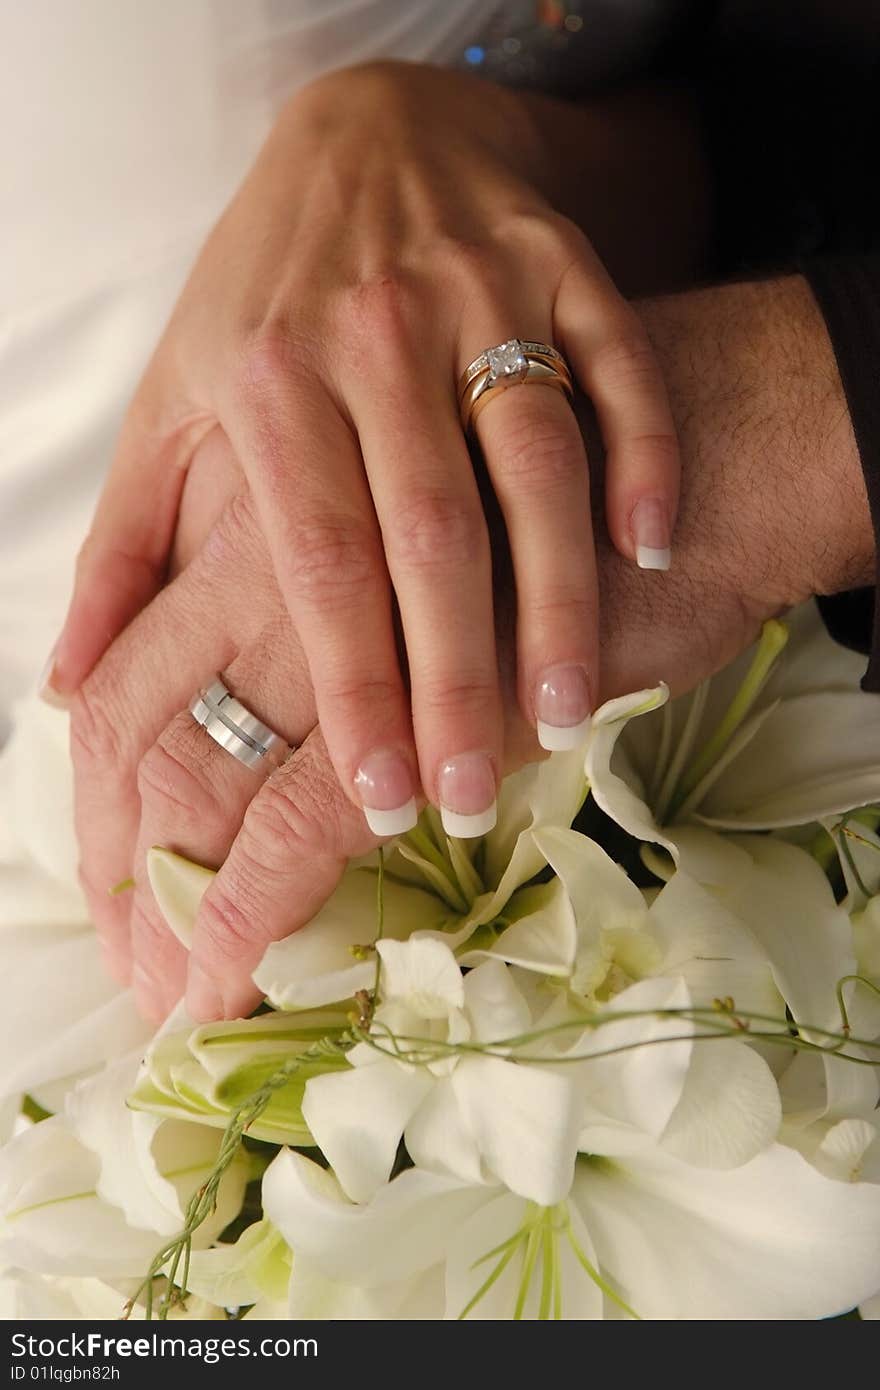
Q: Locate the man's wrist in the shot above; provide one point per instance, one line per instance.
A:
(772, 474)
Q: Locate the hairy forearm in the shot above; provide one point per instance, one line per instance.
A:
(760, 409)
(773, 506)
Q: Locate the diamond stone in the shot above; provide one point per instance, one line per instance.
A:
(507, 360)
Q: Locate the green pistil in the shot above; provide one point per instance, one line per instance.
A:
(537, 1241)
(444, 883)
(452, 874)
(773, 639)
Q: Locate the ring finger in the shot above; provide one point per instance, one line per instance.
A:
(535, 457)
(194, 794)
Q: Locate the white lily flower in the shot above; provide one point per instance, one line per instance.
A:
(66, 1210)
(69, 1017)
(598, 933)
(29, 1297)
(204, 1073)
(460, 1113)
(255, 1268)
(642, 1234)
(866, 940)
(772, 741)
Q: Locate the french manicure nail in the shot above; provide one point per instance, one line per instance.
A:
(467, 795)
(203, 1001)
(384, 785)
(562, 707)
(650, 529)
(45, 689)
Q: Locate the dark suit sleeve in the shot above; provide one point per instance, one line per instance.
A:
(847, 288)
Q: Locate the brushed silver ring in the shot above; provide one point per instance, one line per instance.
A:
(231, 724)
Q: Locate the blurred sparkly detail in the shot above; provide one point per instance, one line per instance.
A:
(568, 48)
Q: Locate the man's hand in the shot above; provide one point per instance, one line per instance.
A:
(773, 505)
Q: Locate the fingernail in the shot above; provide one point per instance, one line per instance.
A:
(45, 689)
(562, 707)
(467, 795)
(384, 785)
(650, 529)
(203, 1000)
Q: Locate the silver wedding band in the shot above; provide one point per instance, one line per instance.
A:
(235, 728)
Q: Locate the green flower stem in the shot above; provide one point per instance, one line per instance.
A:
(773, 639)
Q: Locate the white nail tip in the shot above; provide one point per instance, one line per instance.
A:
(468, 827)
(647, 558)
(557, 740)
(396, 822)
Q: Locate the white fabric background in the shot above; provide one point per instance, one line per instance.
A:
(125, 127)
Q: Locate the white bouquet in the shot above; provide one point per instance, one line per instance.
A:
(628, 1070)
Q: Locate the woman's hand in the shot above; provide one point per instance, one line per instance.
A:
(390, 230)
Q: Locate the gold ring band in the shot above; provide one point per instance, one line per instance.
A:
(514, 363)
(507, 359)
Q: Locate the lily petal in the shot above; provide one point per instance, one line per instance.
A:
(402, 1232)
(178, 886)
(324, 961)
(694, 1243)
(729, 1109)
(358, 1117)
(615, 784)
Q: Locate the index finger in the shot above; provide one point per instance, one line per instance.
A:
(298, 834)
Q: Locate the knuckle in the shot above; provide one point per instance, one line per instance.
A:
(169, 776)
(234, 535)
(445, 697)
(378, 310)
(658, 450)
(96, 740)
(541, 457)
(564, 608)
(230, 926)
(331, 561)
(353, 695)
(626, 358)
(280, 830)
(264, 361)
(435, 530)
